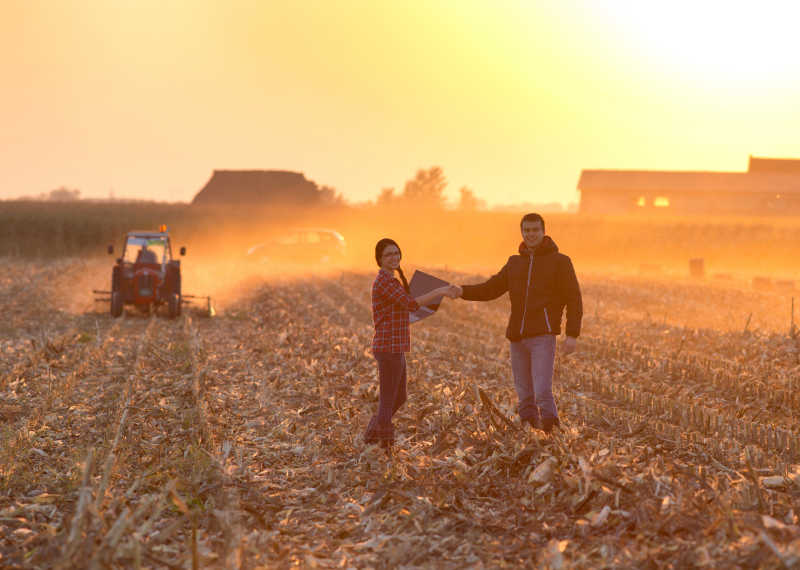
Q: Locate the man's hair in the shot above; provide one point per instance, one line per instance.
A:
(531, 218)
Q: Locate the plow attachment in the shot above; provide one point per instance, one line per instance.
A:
(200, 300)
(101, 295)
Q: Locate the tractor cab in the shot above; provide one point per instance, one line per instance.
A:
(147, 248)
(146, 275)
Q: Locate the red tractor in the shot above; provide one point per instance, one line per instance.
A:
(146, 275)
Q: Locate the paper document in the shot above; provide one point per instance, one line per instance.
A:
(420, 284)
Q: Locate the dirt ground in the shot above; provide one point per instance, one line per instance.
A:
(236, 441)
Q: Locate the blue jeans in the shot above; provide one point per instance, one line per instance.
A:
(532, 365)
(392, 376)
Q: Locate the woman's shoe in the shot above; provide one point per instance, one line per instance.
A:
(371, 434)
(383, 436)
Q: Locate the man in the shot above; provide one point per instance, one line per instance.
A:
(146, 255)
(540, 282)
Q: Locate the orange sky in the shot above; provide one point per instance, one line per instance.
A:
(510, 98)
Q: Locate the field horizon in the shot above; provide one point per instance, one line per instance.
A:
(730, 247)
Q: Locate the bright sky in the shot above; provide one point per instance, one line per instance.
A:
(510, 98)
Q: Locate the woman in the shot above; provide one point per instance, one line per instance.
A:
(391, 304)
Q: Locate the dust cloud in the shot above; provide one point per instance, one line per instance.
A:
(233, 251)
(483, 240)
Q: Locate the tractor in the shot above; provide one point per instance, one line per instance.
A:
(146, 275)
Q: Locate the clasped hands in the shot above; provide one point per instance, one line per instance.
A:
(453, 291)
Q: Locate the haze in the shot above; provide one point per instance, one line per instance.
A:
(512, 99)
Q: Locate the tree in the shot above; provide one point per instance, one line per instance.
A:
(469, 202)
(386, 197)
(63, 194)
(330, 197)
(426, 189)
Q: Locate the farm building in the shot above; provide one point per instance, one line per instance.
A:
(251, 187)
(769, 187)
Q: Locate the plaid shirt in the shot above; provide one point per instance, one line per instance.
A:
(390, 307)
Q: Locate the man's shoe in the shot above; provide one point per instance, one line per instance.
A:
(549, 423)
(534, 421)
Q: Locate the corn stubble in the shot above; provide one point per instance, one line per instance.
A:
(236, 441)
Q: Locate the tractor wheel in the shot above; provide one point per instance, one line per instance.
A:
(115, 279)
(116, 304)
(178, 294)
(174, 305)
(174, 280)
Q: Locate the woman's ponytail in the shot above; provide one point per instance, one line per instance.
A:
(403, 279)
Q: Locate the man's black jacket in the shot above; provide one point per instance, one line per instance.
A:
(540, 285)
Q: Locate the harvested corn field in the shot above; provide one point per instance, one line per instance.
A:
(236, 441)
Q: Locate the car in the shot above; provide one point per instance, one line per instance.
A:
(146, 275)
(306, 246)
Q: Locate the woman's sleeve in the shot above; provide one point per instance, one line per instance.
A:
(393, 292)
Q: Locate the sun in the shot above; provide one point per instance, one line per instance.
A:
(715, 40)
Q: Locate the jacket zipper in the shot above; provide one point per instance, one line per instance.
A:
(547, 320)
(525, 306)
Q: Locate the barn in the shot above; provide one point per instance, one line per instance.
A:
(258, 187)
(771, 186)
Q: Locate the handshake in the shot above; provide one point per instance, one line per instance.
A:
(435, 295)
(452, 291)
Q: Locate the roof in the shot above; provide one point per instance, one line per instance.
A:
(688, 181)
(257, 187)
(782, 165)
(139, 233)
